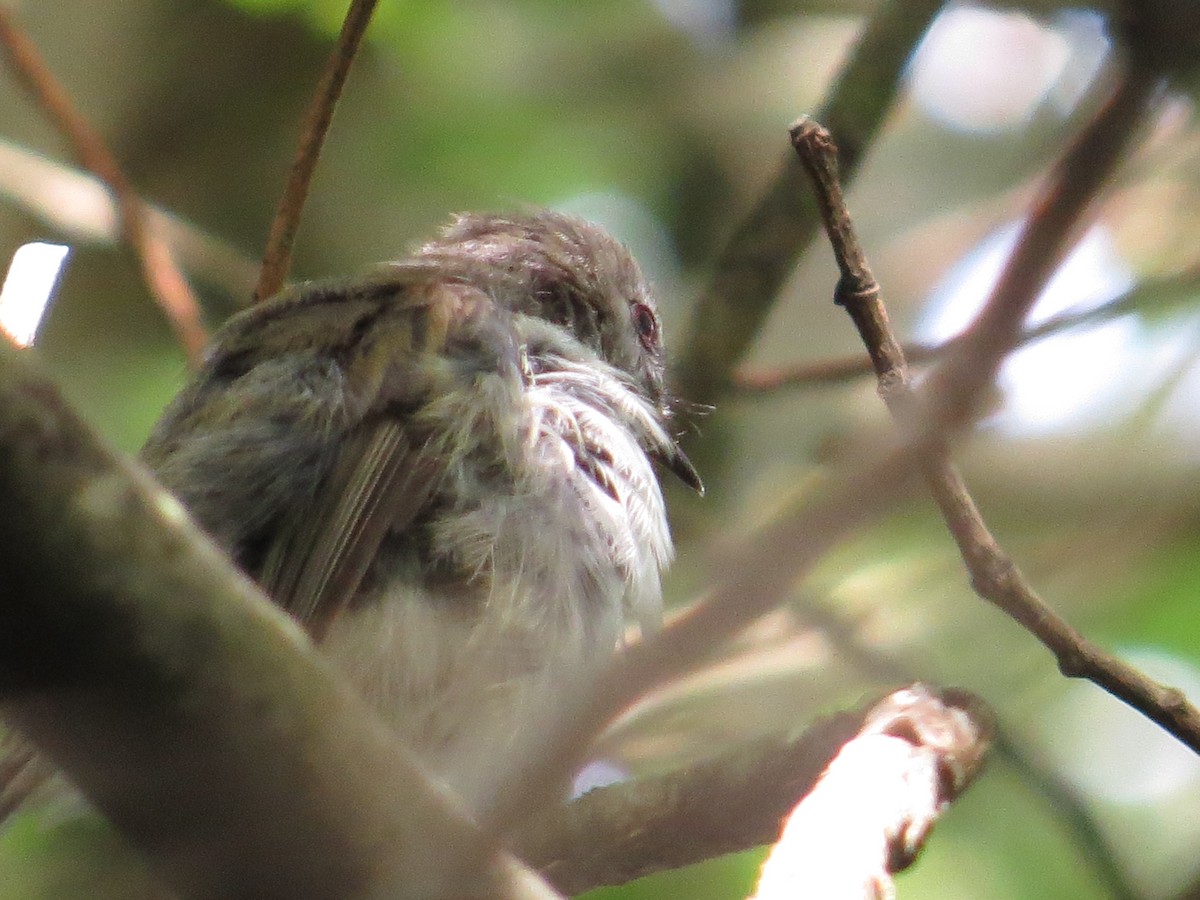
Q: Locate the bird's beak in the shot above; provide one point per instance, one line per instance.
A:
(675, 460)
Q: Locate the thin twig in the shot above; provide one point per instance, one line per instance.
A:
(763, 250)
(1056, 217)
(277, 258)
(34, 183)
(761, 380)
(164, 279)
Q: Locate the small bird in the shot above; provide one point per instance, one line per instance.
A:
(444, 470)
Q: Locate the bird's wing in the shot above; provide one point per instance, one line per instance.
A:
(382, 476)
(379, 483)
(294, 448)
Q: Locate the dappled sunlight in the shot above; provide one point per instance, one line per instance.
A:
(28, 288)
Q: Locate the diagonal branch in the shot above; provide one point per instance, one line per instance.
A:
(163, 277)
(277, 258)
(766, 568)
(191, 711)
(871, 812)
(1055, 219)
(724, 804)
(728, 803)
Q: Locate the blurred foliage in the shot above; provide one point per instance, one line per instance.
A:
(663, 119)
(74, 857)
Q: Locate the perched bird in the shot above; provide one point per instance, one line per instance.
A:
(444, 471)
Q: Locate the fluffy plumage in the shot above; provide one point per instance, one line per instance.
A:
(444, 470)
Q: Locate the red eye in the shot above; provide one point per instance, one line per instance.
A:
(646, 324)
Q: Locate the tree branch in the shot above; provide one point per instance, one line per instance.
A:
(1056, 216)
(732, 802)
(875, 805)
(615, 834)
(1154, 294)
(191, 711)
(766, 245)
(166, 282)
(35, 184)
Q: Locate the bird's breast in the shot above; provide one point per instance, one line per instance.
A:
(547, 535)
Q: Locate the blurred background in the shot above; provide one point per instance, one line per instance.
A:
(664, 120)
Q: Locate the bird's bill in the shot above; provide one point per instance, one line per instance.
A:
(675, 460)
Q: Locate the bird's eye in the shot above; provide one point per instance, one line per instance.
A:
(646, 324)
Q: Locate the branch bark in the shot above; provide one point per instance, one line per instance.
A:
(875, 805)
(191, 711)
(615, 834)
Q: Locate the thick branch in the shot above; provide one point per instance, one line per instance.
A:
(190, 710)
(872, 810)
(733, 802)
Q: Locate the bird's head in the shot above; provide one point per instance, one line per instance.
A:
(560, 271)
